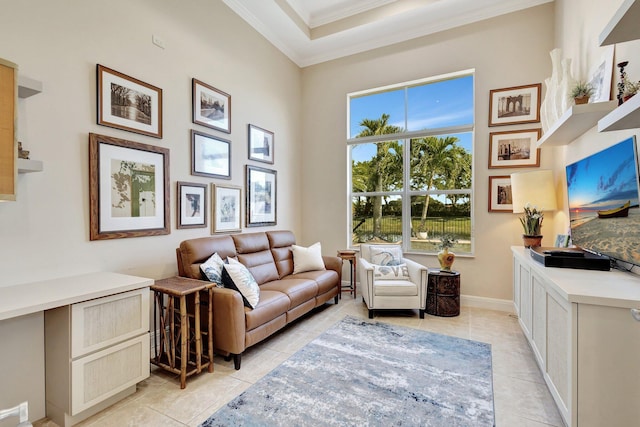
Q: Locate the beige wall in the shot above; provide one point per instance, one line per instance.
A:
(506, 51)
(45, 234)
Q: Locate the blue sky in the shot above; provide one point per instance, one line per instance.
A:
(436, 105)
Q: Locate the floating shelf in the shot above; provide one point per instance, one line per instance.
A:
(27, 166)
(623, 27)
(626, 116)
(574, 122)
(28, 87)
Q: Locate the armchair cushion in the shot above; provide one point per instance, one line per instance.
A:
(391, 272)
(307, 259)
(396, 288)
(237, 276)
(386, 254)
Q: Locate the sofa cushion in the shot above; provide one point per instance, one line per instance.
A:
(395, 288)
(271, 305)
(280, 242)
(391, 272)
(236, 276)
(212, 269)
(298, 290)
(253, 251)
(386, 254)
(307, 259)
(326, 279)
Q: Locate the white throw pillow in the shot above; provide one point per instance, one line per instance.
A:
(212, 269)
(237, 276)
(307, 259)
(386, 255)
(391, 272)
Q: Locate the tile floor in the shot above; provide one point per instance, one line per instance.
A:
(520, 394)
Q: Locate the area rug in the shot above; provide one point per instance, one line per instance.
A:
(362, 373)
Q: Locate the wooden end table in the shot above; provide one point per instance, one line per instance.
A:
(180, 344)
(348, 255)
(443, 293)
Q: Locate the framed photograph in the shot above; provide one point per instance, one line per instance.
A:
(128, 188)
(500, 194)
(514, 149)
(562, 241)
(261, 196)
(226, 208)
(260, 144)
(600, 76)
(211, 107)
(128, 104)
(210, 156)
(192, 205)
(514, 105)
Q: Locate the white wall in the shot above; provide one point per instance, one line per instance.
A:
(45, 234)
(506, 51)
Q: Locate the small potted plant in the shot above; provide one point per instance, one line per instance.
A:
(531, 225)
(581, 92)
(445, 257)
(630, 89)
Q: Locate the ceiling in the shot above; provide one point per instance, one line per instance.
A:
(314, 31)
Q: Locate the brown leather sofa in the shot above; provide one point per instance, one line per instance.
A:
(284, 296)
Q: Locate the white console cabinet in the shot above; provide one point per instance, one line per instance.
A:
(584, 338)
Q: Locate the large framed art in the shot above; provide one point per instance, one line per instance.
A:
(227, 207)
(260, 144)
(128, 188)
(211, 107)
(261, 196)
(128, 104)
(515, 105)
(210, 156)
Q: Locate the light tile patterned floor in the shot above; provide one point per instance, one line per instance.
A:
(520, 394)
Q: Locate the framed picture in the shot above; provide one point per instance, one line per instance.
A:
(600, 77)
(562, 240)
(128, 188)
(192, 205)
(211, 107)
(514, 149)
(210, 156)
(514, 105)
(260, 144)
(226, 208)
(128, 104)
(500, 194)
(261, 196)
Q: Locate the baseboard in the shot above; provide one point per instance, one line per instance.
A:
(487, 303)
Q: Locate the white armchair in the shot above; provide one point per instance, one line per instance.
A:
(390, 281)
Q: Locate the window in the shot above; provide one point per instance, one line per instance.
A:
(410, 149)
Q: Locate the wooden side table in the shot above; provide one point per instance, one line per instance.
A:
(180, 345)
(348, 255)
(443, 293)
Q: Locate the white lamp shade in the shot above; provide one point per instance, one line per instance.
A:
(535, 188)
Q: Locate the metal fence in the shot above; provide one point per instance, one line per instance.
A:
(391, 228)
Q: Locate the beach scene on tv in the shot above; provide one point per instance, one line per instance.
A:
(603, 202)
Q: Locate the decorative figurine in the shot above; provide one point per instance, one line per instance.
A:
(622, 83)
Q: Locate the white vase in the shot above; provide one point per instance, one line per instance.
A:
(552, 92)
(564, 101)
(545, 119)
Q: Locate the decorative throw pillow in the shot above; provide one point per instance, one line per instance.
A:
(386, 255)
(212, 269)
(391, 272)
(307, 259)
(236, 276)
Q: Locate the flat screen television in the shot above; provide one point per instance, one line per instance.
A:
(604, 208)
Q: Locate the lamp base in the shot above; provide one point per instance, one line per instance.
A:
(531, 241)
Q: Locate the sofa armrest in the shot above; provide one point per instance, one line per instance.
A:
(365, 276)
(228, 321)
(419, 275)
(333, 263)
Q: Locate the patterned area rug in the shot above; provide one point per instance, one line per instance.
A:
(361, 373)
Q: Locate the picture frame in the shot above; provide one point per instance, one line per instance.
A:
(261, 193)
(211, 107)
(121, 172)
(127, 103)
(260, 144)
(514, 149)
(192, 205)
(562, 240)
(600, 76)
(500, 199)
(515, 105)
(210, 156)
(227, 208)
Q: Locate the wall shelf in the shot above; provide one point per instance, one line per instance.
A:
(574, 122)
(28, 166)
(626, 116)
(623, 26)
(28, 87)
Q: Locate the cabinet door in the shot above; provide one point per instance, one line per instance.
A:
(525, 300)
(608, 366)
(559, 363)
(105, 321)
(539, 319)
(516, 285)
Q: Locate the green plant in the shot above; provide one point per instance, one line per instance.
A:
(447, 241)
(532, 220)
(581, 89)
(631, 88)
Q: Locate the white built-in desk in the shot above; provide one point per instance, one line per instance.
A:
(584, 338)
(96, 338)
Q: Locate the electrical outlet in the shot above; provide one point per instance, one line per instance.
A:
(157, 41)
